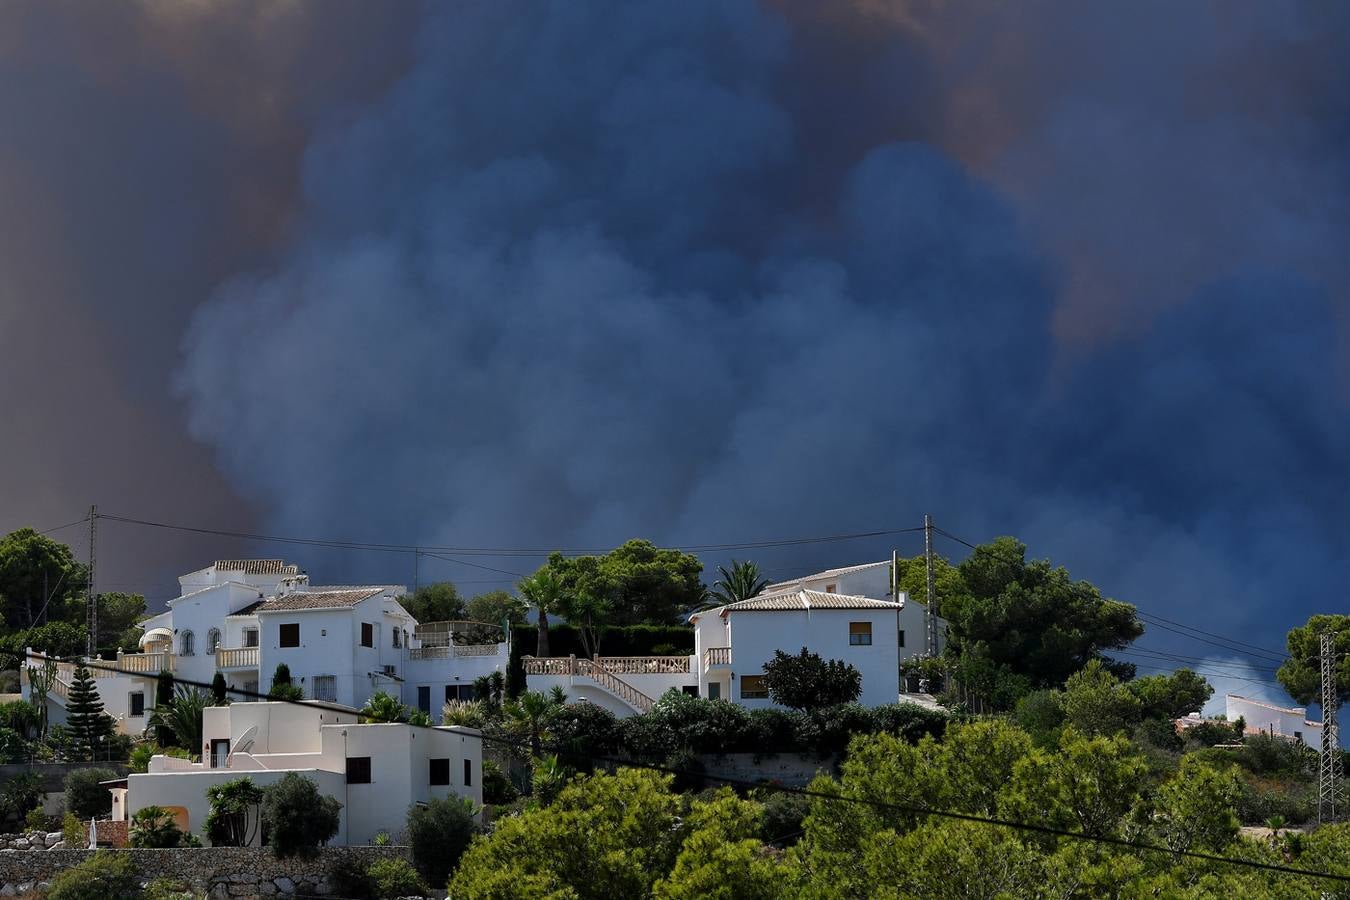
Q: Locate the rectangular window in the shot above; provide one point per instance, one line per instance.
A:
(250, 637)
(367, 634)
(714, 690)
(752, 688)
(251, 689)
(690, 689)
(358, 770)
(325, 688)
(831, 588)
(440, 772)
(860, 634)
(397, 643)
(290, 634)
(424, 698)
(137, 704)
(466, 693)
(902, 637)
(468, 773)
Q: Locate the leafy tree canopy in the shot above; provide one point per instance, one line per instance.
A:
(297, 818)
(1026, 619)
(1301, 673)
(806, 681)
(494, 606)
(40, 580)
(438, 602)
(637, 582)
(119, 617)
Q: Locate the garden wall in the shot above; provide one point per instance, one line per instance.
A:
(789, 769)
(215, 871)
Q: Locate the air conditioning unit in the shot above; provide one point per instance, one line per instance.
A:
(391, 670)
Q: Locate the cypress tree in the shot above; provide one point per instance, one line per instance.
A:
(218, 694)
(85, 714)
(164, 735)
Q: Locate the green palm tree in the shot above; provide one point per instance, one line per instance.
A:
(529, 712)
(543, 590)
(741, 583)
(383, 707)
(182, 716)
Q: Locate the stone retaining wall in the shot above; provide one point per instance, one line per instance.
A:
(217, 872)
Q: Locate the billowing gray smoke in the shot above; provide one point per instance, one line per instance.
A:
(714, 271)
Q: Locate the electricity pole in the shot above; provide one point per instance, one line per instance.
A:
(90, 596)
(1329, 800)
(930, 614)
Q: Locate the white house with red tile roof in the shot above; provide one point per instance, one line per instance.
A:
(846, 614)
(342, 644)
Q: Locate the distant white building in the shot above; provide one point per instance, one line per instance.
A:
(1267, 718)
(341, 643)
(375, 771)
(846, 614)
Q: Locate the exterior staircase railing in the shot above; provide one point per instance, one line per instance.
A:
(615, 685)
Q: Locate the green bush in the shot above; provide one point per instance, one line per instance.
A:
(13, 748)
(104, 876)
(168, 889)
(1264, 754)
(153, 826)
(582, 731)
(297, 818)
(438, 835)
(1261, 799)
(85, 797)
(393, 878)
(782, 816)
(497, 788)
(349, 878)
(74, 832)
(37, 820)
(626, 640)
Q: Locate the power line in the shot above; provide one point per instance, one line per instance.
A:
(911, 809)
(489, 551)
(67, 525)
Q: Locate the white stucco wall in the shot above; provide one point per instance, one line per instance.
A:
(1259, 716)
(756, 634)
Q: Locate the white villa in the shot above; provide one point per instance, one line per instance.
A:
(852, 614)
(375, 771)
(342, 644)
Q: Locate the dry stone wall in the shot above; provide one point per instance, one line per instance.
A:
(217, 872)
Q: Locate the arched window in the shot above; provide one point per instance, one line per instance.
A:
(187, 642)
(213, 640)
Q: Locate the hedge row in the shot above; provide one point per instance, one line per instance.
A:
(628, 640)
(679, 723)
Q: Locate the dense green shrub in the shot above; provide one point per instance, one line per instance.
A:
(350, 878)
(1207, 734)
(582, 731)
(497, 788)
(628, 640)
(297, 818)
(153, 826)
(74, 832)
(1264, 754)
(168, 889)
(1262, 798)
(782, 814)
(85, 797)
(393, 878)
(808, 681)
(19, 795)
(688, 769)
(438, 835)
(103, 876)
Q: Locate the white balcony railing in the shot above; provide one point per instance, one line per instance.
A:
(644, 665)
(144, 663)
(236, 657)
(716, 656)
(454, 650)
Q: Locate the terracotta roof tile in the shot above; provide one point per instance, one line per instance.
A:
(300, 600)
(257, 566)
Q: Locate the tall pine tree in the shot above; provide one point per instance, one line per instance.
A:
(85, 716)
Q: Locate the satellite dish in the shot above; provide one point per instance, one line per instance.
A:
(245, 743)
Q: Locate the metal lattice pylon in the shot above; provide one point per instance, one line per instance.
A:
(1330, 800)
